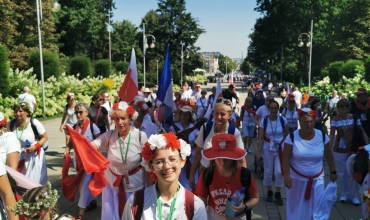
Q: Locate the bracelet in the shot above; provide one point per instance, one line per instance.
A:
(333, 172)
(37, 145)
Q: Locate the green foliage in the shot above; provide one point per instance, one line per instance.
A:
(4, 71)
(335, 70)
(245, 67)
(324, 73)
(121, 66)
(102, 68)
(51, 64)
(122, 46)
(80, 67)
(367, 69)
(349, 69)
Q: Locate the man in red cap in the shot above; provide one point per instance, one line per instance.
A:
(230, 93)
(360, 107)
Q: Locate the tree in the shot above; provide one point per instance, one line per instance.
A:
(123, 45)
(51, 64)
(245, 67)
(4, 72)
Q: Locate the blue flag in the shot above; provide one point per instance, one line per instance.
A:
(165, 93)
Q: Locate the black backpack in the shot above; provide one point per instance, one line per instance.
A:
(360, 165)
(245, 180)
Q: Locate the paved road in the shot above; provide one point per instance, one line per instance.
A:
(263, 210)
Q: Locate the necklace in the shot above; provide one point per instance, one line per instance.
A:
(16, 131)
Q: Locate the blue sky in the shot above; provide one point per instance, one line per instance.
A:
(227, 24)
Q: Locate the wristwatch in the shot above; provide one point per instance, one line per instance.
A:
(246, 207)
(333, 172)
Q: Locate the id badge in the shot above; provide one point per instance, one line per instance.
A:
(342, 143)
(273, 146)
(363, 117)
(127, 179)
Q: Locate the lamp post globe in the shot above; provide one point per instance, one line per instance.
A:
(300, 44)
(55, 6)
(152, 45)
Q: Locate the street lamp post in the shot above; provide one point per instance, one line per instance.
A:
(145, 46)
(157, 73)
(124, 58)
(309, 45)
(182, 60)
(226, 62)
(55, 7)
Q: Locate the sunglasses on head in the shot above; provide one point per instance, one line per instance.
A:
(224, 101)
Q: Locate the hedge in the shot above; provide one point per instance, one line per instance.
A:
(102, 68)
(51, 64)
(80, 65)
(4, 72)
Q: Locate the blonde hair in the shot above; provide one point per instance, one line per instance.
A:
(224, 106)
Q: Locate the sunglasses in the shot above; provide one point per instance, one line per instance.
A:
(343, 106)
(224, 101)
(79, 112)
(99, 100)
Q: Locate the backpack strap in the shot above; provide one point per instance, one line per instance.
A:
(34, 129)
(92, 128)
(231, 129)
(177, 129)
(207, 130)
(208, 180)
(323, 137)
(291, 134)
(282, 123)
(138, 204)
(265, 124)
(245, 180)
(11, 125)
(189, 204)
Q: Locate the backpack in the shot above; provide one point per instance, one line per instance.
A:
(35, 132)
(265, 123)
(360, 165)
(138, 204)
(183, 134)
(245, 180)
(208, 126)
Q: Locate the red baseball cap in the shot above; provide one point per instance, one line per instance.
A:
(361, 91)
(232, 85)
(223, 146)
(104, 94)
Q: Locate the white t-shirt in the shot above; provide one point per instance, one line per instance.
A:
(185, 95)
(291, 117)
(307, 154)
(297, 96)
(28, 134)
(333, 101)
(262, 112)
(109, 141)
(199, 141)
(150, 208)
(28, 98)
(71, 116)
(276, 133)
(8, 144)
(248, 118)
(202, 105)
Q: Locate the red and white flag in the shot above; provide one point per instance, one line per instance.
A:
(130, 86)
(218, 94)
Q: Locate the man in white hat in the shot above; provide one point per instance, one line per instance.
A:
(28, 98)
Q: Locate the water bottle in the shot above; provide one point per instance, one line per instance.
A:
(27, 144)
(239, 195)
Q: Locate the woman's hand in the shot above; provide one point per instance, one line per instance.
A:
(258, 157)
(61, 127)
(31, 149)
(287, 181)
(333, 177)
(238, 209)
(67, 151)
(65, 129)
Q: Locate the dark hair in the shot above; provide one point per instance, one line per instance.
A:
(233, 167)
(273, 101)
(250, 94)
(96, 96)
(313, 103)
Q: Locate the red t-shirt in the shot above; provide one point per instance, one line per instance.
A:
(219, 190)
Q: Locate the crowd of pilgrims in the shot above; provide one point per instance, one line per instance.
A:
(191, 169)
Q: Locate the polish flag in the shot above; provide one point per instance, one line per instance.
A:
(130, 86)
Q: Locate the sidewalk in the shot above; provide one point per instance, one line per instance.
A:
(263, 210)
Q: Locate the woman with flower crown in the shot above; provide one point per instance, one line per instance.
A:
(124, 173)
(164, 155)
(32, 162)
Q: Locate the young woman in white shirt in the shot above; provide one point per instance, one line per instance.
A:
(201, 104)
(164, 155)
(247, 113)
(270, 140)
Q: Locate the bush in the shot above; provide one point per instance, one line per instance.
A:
(335, 71)
(350, 68)
(324, 73)
(51, 64)
(121, 66)
(4, 71)
(102, 68)
(80, 65)
(367, 69)
(210, 78)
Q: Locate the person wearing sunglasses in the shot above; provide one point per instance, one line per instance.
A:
(342, 129)
(90, 131)
(164, 156)
(360, 106)
(98, 113)
(69, 116)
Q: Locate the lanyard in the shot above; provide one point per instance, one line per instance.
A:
(344, 128)
(226, 128)
(172, 209)
(128, 145)
(16, 130)
(272, 130)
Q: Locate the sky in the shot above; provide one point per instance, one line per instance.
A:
(227, 25)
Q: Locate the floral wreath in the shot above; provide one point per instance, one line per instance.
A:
(142, 105)
(45, 201)
(366, 195)
(25, 106)
(127, 108)
(2, 120)
(307, 111)
(168, 140)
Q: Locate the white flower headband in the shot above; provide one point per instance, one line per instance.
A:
(127, 108)
(168, 140)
